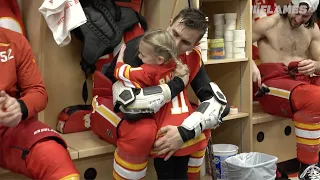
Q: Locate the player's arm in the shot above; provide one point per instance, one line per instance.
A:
(315, 47)
(262, 25)
(200, 85)
(212, 109)
(33, 93)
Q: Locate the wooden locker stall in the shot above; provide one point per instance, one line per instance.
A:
(233, 75)
(63, 77)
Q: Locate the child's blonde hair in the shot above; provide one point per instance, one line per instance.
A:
(164, 45)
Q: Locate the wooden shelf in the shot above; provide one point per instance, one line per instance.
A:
(235, 116)
(221, 61)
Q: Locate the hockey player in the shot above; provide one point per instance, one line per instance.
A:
(135, 140)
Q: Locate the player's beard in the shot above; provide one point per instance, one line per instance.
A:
(294, 24)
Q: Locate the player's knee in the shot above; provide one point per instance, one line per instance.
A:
(307, 108)
(42, 163)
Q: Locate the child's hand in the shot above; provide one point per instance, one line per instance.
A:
(121, 53)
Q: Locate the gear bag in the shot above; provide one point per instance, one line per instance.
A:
(103, 31)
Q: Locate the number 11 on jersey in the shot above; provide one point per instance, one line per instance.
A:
(176, 108)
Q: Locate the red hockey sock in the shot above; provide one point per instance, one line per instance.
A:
(50, 160)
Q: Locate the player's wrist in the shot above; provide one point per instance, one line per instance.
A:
(176, 86)
(317, 68)
(24, 109)
(186, 134)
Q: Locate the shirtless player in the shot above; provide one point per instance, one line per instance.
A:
(293, 42)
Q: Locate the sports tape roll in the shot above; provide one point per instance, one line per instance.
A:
(239, 32)
(219, 27)
(218, 16)
(228, 33)
(203, 40)
(239, 35)
(216, 55)
(217, 43)
(228, 50)
(228, 47)
(217, 49)
(231, 21)
(204, 45)
(239, 38)
(230, 15)
(229, 55)
(239, 43)
(214, 41)
(233, 110)
(218, 21)
(228, 38)
(218, 36)
(204, 55)
(219, 32)
(239, 55)
(230, 27)
(228, 44)
(205, 35)
(238, 49)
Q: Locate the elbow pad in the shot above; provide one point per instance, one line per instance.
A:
(121, 95)
(209, 113)
(135, 101)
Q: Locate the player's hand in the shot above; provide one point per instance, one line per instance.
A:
(121, 53)
(256, 76)
(170, 142)
(10, 112)
(307, 66)
(185, 79)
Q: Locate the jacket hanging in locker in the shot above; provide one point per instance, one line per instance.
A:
(10, 16)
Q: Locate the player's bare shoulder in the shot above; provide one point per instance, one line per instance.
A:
(263, 27)
(269, 22)
(315, 32)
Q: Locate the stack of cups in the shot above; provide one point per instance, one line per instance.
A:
(218, 25)
(239, 43)
(217, 49)
(229, 27)
(204, 46)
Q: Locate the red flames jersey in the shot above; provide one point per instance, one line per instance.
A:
(176, 111)
(10, 16)
(19, 72)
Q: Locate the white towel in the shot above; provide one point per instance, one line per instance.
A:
(62, 16)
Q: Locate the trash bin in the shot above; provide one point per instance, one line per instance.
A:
(221, 152)
(252, 166)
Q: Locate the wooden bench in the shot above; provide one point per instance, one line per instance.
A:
(273, 135)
